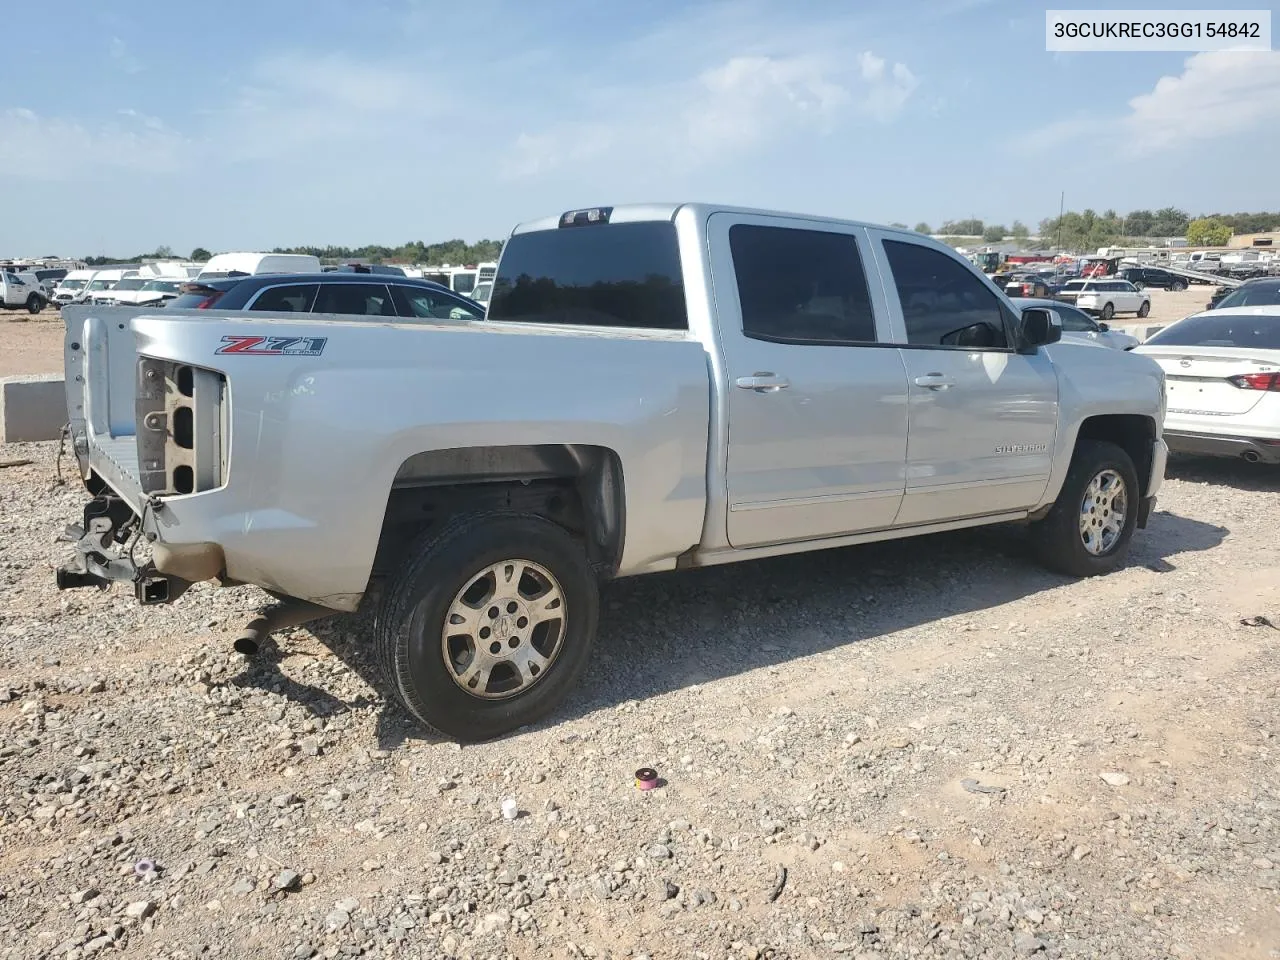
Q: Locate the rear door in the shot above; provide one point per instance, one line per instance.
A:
(817, 397)
(983, 417)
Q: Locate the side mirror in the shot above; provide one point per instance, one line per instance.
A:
(1103, 326)
(1040, 327)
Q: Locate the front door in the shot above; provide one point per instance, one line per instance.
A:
(983, 417)
(817, 396)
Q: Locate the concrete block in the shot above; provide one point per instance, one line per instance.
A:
(32, 408)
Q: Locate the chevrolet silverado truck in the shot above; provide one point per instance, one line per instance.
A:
(654, 388)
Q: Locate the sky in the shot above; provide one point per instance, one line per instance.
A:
(245, 126)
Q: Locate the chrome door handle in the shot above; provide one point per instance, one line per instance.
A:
(934, 381)
(762, 381)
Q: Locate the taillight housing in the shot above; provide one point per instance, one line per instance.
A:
(1257, 381)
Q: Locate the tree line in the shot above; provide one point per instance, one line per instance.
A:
(451, 251)
(1088, 228)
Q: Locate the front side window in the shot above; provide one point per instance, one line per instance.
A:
(433, 305)
(944, 304)
(294, 298)
(1075, 320)
(358, 299)
(609, 275)
(801, 286)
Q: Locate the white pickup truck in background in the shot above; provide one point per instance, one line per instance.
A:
(654, 388)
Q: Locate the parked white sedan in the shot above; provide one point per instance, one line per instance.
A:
(1106, 298)
(1078, 326)
(1222, 374)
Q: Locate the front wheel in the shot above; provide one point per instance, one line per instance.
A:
(34, 304)
(1091, 524)
(1145, 308)
(1178, 286)
(489, 624)
(1108, 311)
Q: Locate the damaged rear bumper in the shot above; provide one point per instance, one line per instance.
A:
(106, 544)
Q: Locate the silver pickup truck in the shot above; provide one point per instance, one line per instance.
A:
(654, 388)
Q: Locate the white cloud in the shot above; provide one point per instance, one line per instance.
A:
(741, 103)
(887, 90)
(126, 61)
(745, 99)
(54, 149)
(1218, 94)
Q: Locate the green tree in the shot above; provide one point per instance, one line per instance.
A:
(163, 252)
(1207, 232)
(200, 254)
(994, 233)
(1019, 230)
(900, 226)
(962, 228)
(1170, 222)
(922, 227)
(1137, 223)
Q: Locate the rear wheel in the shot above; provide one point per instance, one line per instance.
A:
(489, 625)
(35, 303)
(1178, 286)
(1091, 524)
(1108, 311)
(1145, 308)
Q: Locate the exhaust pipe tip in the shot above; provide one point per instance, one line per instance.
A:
(1251, 456)
(246, 645)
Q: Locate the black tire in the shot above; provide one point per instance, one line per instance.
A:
(1139, 285)
(1057, 538)
(410, 623)
(1145, 308)
(1108, 311)
(34, 304)
(1178, 286)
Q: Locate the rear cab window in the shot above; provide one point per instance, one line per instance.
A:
(595, 274)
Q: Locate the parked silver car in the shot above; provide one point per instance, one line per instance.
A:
(1078, 326)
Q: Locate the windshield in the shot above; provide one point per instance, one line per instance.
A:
(71, 284)
(165, 286)
(1252, 295)
(464, 282)
(101, 284)
(1259, 331)
(130, 283)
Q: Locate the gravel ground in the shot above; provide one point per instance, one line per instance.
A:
(927, 748)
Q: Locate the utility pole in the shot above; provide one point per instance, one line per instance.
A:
(1062, 199)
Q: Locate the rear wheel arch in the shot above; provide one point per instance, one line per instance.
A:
(579, 487)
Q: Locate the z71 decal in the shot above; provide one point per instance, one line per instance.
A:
(274, 346)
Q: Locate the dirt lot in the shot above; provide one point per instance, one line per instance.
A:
(919, 749)
(30, 344)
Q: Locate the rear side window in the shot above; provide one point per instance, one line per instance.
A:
(801, 286)
(610, 275)
(294, 298)
(943, 303)
(358, 299)
(433, 305)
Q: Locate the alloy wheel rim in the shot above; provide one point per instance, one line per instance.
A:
(1103, 510)
(504, 629)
